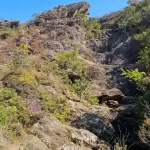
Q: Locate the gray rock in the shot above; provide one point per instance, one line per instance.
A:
(34, 143)
(61, 11)
(71, 146)
(9, 24)
(112, 103)
(95, 124)
(112, 94)
(84, 137)
(116, 47)
(53, 46)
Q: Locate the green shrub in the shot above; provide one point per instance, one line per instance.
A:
(80, 86)
(94, 100)
(92, 24)
(50, 67)
(144, 52)
(67, 60)
(91, 27)
(21, 59)
(12, 110)
(144, 56)
(81, 15)
(141, 108)
(133, 75)
(23, 78)
(24, 48)
(129, 18)
(55, 105)
(24, 83)
(144, 132)
(133, 16)
(118, 147)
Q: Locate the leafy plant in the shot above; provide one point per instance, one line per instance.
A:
(58, 106)
(94, 100)
(133, 75)
(91, 27)
(12, 109)
(80, 86)
(24, 47)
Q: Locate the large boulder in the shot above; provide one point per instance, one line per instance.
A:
(112, 94)
(56, 136)
(95, 124)
(88, 139)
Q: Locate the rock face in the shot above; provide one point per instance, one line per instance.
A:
(59, 30)
(112, 94)
(114, 46)
(62, 12)
(9, 24)
(62, 28)
(95, 124)
(57, 136)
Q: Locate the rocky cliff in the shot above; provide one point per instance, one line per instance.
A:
(88, 126)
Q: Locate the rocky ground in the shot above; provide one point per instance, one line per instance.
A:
(91, 127)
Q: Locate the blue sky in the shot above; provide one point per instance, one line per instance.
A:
(23, 9)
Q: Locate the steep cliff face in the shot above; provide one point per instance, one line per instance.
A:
(89, 125)
(115, 47)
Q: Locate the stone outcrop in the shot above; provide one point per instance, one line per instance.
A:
(59, 30)
(61, 12)
(112, 94)
(115, 46)
(57, 136)
(62, 28)
(9, 24)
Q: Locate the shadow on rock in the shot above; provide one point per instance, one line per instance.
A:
(95, 124)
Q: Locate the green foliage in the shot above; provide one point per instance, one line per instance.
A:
(118, 147)
(19, 63)
(21, 59)
(94, 100)
(80, 86)
(133, 75)
(8, 32)
(91, 27)
(67, 60)
(144, 56)
(129, 18)
(140, 78)
(144, 52)
(56, 105)
(24, 47)
(50, 67)
(92, 24)
(134, 15)
(23, 78)
(144, 132)
(24, 83)
(82, 16)
(12, 110)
